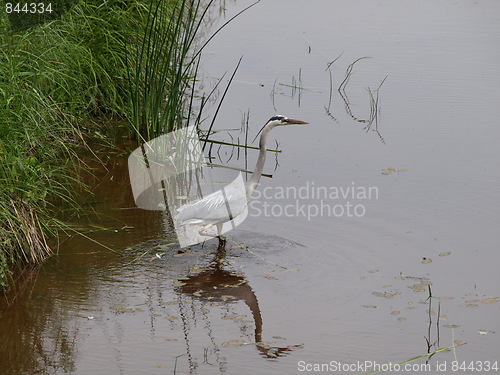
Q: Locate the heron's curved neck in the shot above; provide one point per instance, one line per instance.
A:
(253, 182)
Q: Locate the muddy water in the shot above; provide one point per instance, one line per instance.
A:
(363, 219)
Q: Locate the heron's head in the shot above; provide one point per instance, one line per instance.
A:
(280, 120)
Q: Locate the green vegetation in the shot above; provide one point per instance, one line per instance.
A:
(59, 77)
(62, 76)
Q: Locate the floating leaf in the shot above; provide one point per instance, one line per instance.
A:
(385, 295)
(410, 278)
(279, 338)
(395, 312)
(426, 260)
(470, 305)
(445, 253)
(178, 284)
(401, 319)
(392, 170)
(484, 332)
(186, 255)
(369, 306)
(458, 342)
(270, 277)
(234, 317)
(121, 309)
(491, 300)
(233, 343)
(451, 326)
(171, 317)
(197, 268)
(418, 288)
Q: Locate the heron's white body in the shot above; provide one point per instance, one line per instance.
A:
(231, 201)
(220, 206)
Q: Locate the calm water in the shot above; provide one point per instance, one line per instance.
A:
(316, 277)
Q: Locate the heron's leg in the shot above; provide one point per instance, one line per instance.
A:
(221, 249)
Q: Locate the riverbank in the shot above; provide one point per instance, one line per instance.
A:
(61, 79)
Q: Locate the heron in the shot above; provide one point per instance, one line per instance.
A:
(213, 209)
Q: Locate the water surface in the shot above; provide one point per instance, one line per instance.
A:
(320, 288)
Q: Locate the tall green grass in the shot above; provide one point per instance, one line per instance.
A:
(57, 80)
(163, 67)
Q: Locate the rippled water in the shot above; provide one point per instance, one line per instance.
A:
(320, 287)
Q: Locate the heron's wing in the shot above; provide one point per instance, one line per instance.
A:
(218, 206)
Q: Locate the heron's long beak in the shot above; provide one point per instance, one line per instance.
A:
(293, 121)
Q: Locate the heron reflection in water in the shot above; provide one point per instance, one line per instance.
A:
(213, 209)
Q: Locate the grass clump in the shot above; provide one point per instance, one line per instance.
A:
(58, 76)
